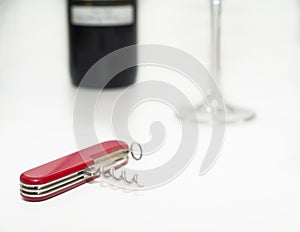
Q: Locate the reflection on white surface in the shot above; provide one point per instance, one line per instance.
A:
(255, 184)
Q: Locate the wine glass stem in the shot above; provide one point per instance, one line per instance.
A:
(215, 12)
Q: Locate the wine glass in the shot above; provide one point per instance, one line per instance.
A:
(233, 114)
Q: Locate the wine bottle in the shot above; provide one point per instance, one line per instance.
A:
(97, 28)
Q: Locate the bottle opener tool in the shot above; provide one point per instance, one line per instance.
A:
(70, 171)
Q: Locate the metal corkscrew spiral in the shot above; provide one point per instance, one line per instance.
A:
(109, 170)
(122, 177)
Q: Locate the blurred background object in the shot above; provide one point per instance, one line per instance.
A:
(97, 28)
(233, 114)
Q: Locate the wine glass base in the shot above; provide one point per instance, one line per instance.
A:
(232, 115)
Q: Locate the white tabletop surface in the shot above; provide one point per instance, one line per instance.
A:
(254, 185)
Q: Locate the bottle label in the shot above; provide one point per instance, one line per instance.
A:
(102, 15)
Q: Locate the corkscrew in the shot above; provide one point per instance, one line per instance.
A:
(106, 169)
(70, 171)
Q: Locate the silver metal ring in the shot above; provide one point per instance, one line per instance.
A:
(132, 151)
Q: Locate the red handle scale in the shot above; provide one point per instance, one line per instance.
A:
(68, 165)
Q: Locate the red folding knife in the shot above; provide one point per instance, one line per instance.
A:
(70, 171)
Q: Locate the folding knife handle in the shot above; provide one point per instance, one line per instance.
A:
(70, 164)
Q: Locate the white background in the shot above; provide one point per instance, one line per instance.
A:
(254, 186)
